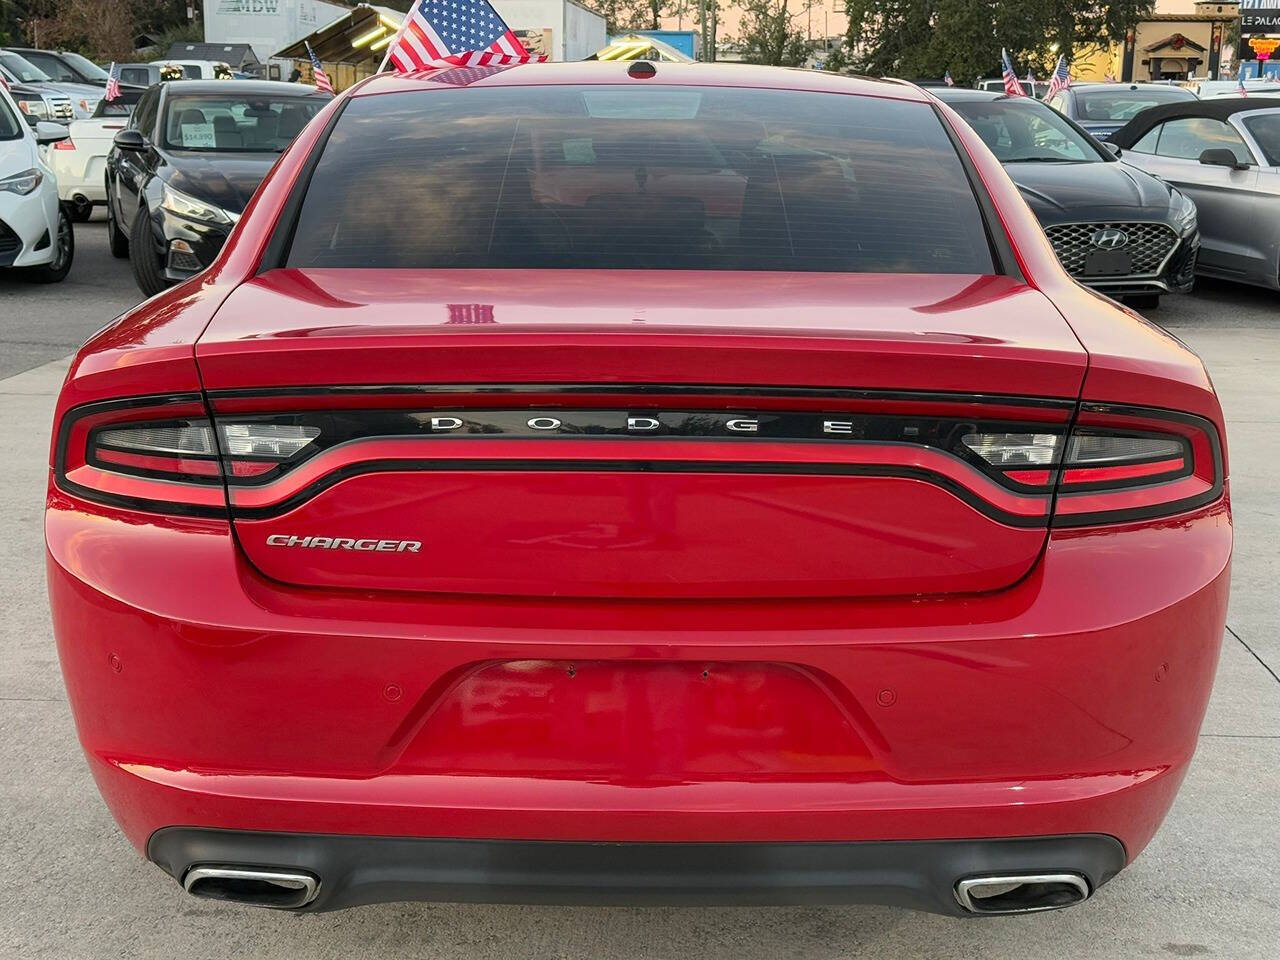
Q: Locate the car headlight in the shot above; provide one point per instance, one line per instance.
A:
(22, 183)
(1185, 214)
(175, 201)
(34, 108)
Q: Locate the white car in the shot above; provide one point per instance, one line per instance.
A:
(80, 161)
(199, 69)
(35, 231)
(1211, 89)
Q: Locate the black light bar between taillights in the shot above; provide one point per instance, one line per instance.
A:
(1024, 463)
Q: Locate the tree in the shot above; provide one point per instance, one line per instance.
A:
(921, 39)
(769, 34)
(103, 28)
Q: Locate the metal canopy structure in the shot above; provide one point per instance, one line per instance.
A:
(360, 38)
(640, 47)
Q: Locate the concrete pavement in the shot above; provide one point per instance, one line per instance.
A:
(70, 887)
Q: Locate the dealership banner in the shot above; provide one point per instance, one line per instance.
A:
(1259, 16)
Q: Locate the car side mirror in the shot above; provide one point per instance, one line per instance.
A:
(1114, 148)
(47, 132)
(130, 140)
(1222, 157)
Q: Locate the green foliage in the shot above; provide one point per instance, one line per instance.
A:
(836, 60)
(920, 39)
(770, 34)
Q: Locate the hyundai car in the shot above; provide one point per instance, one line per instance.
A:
(638, 483)
(1113, 226)
(182, 170)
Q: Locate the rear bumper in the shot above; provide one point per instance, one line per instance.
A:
(206, 696)
(355, 870)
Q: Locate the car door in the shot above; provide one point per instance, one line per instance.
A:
(1261, 130)
(1226, 199)
(130, 168)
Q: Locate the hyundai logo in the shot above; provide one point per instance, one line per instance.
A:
(1109, 238)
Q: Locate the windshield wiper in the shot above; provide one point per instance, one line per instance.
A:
(1044, 160)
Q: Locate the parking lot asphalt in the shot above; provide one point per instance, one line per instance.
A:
(70, 886)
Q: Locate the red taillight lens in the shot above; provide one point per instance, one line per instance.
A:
(64, 145)
(163, 454)
(1128, 463)
(150, 453)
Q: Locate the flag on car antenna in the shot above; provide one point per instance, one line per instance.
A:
(460, 33)
(1012, 87)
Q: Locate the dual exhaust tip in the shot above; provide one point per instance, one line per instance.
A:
(1021, 893)
(253, 886)
(292, 889)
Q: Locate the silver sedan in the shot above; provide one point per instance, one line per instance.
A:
(1224, 154)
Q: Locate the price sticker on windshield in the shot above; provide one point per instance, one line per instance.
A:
(198, 135)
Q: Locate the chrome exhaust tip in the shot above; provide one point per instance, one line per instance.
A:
(252, 886)
(1021, 893)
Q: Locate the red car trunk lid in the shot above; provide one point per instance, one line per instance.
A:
(619, 434)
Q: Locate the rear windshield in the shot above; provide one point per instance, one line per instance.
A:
(236, 124)
(122, 106)
(1106, 105)
(667, 178)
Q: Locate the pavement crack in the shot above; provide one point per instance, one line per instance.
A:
(1265, 665)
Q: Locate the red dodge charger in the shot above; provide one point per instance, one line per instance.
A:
(607, 483)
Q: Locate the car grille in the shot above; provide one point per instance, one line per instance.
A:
(10, 245)
(60, 109)
(1149, 244)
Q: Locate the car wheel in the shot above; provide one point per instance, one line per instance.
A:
(80, 209)
(1147, 301)
(116, 239)
(148, 269)
(64, 251)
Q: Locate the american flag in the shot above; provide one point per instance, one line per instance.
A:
(1012, 87)
(113, 82)
(946, 78)
(317, 72)
(465, 33)
(1061, 78)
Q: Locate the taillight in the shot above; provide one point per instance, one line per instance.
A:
(64, 145)
(149, 453)
(164, 454)
(1129, 463)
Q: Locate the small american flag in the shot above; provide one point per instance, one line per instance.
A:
(1061, 78)
(113, 82)
(464, 33)
(946, 78)
(1012, 87)
(317, 72)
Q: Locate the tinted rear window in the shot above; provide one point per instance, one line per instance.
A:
(665, 178)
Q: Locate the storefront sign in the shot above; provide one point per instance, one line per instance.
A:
(1264, 47)
(1259, 16)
